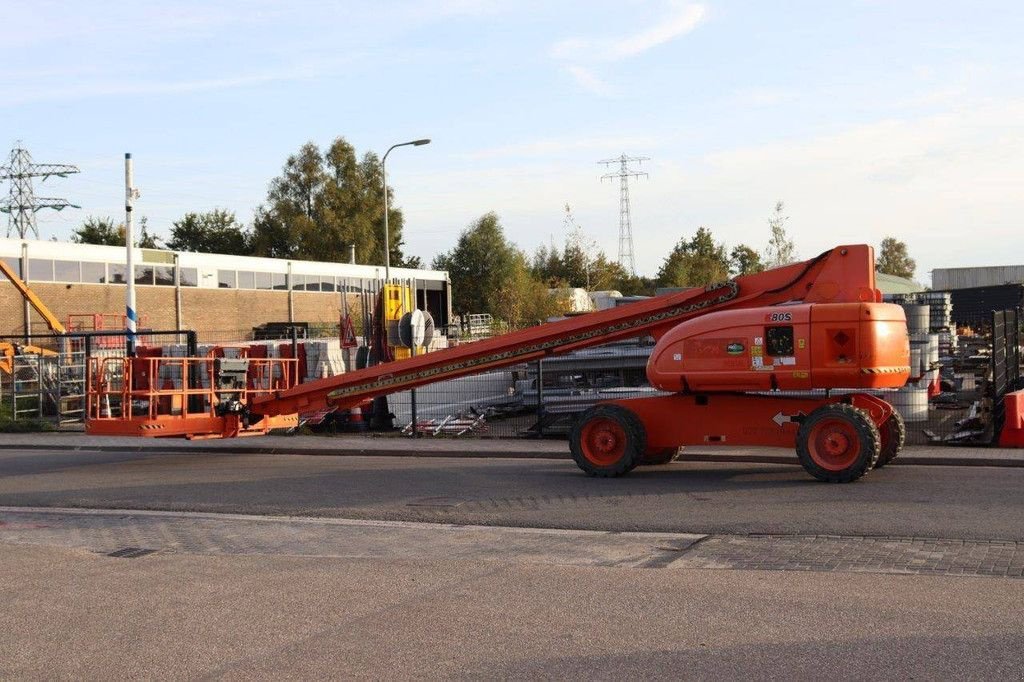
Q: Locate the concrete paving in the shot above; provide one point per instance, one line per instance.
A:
(73, 614)
(135, 533)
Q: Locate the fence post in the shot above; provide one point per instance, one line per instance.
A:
(59, 387)
(39, 383)
(540, 398)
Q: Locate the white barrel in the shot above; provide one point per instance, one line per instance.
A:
(933, 348)
(911, 403)
(917, 317)
(919, 340)
(916, 363)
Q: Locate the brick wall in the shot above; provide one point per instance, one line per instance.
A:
(216, 314)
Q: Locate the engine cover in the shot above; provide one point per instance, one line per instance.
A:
(786, 347)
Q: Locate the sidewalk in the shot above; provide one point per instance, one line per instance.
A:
(396, 446)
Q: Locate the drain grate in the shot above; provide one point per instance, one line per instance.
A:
(130, 552)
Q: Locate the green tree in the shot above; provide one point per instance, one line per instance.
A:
(546, 266)
(325, 202)
(781, 249)
(481, 262)
(745, 260)
(521, 299)
(216, 231)
(894, 259)
(695, 263)
(105, 232)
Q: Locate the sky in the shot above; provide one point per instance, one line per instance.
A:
(867, 118)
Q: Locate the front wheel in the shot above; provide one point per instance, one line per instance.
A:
(838, 443)
(607, 440)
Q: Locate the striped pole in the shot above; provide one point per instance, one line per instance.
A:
(131, 317)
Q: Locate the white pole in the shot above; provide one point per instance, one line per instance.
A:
(131, 317)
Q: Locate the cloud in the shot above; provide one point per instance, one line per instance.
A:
(683, 19)
(578, 51)
(586, 79)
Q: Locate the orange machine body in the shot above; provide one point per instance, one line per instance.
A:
(785, 347)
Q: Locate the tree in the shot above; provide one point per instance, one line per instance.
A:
(745, 260)
(105, 232)
(216, 231)
(325, 202)
(480, 263)
(146, 239)
(695, 263)
(547, 266)
(781, 250)
(101, 231)
(522, 299)
(894, 259)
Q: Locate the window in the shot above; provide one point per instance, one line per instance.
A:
(246, 280)
(164, 275)
(779, 341)
(40, 270)
(13, 263)
(94, 273)
(326, 283)
(312, 283)
(189, 277)
(298, 282)
(264, 280)
(144, 274)
(117, 273)
(280, 281)
(226, 279)
(67, 271)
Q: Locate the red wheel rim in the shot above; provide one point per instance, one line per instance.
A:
(833, 444)
(603, 441)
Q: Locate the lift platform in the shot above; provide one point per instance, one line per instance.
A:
(725, 351)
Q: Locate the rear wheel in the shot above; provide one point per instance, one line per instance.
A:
(838, 443)
(607, 440)
(894, 433)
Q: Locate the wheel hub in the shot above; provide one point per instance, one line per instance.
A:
(603, 441)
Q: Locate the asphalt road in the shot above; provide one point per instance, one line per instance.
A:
(941, 502)
(170, 616)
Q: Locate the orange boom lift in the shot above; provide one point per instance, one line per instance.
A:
(723, 355)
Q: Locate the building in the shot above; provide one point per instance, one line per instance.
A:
(221, 297)
(948, 279)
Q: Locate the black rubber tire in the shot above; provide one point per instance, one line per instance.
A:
(658, 457)
(893, 435)
(635, 443)
(866, 434)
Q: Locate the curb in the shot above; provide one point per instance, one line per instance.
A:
(348, 451)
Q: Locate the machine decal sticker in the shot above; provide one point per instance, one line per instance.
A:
(734, 348)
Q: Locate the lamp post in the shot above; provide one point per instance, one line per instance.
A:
(384, 173)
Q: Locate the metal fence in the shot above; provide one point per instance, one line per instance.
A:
(46, 378)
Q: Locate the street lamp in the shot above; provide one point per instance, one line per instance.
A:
(384, 173)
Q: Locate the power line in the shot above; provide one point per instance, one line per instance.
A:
(21, 204)
(626, 259)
